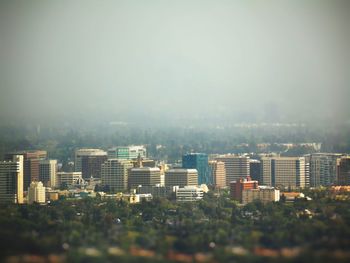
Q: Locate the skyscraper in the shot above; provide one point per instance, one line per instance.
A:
(323, 169)
(198, 161)
(255, 169)
(236, 167)
(218, 173)
(47, 172)
(343, 170)
(283, 171)
(11, 180)
(145, 176)
(89, 161)
(114, 174)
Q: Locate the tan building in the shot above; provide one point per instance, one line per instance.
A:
(283, 171)
(218, 173)
(181, 177)
(114, 174)
(11, 180)
(145, 176)
(36, 193)
(236, 167)
(264, 194)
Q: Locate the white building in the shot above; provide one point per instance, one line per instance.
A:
(36, 193)
(264, 194)
(47, 172)
(11, 180)
(189, 194)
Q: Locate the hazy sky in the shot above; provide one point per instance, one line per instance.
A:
(253, 60)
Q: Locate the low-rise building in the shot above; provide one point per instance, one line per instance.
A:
(189, 194)
(264, 194)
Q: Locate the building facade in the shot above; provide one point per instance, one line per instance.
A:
(236, 167)
(114, 174)
(264, 194)
(283, 172)
(189, 194)
(145, 176)
(181, 177)
(343, 170)
(36, 193)
(255, 170)
(68, 179)
(89, 161)
(237, 187)
(127, 152)
(47, 172)
(11, 180)
(198, 161)
(218, 173)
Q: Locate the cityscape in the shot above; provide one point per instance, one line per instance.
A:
(194, 131)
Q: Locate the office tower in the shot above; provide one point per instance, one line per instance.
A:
(181, 177)
(68, 179)
(145, 176)
(238, 186)
(47, 172)
(323, 169)
(264, 194)
(189, 194)
(114, 174)
(30, 165)
(255, 169)
(198, 161)
(218, 173)
(283, 171)
(236, 167)
(11, 180)
(89, 161)
(36, 193)
(127, 152)
(343, 170)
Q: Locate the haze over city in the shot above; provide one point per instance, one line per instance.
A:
(237, 61)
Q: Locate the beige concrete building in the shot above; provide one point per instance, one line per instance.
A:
(189, 194)
(264, 194)
(283, 172)
(236, 167)
(218, 173)
(181, 177)
(68, 178)
(145, 176)
(11, 180)
(114, 174)
(36, 193)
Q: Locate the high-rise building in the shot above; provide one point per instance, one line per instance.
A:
(181, 177)
(68, 179)
(30, 165)
(114, 174)
(218, 173)
(236, 167)
(145, 176)
(127, 152)
(11, 180)
(255, 169)
(36, 193)
(47, 172)
(343, 170)
(238, 186)
(198, 161)
(323, 169)
(283, 171)
(89, 161)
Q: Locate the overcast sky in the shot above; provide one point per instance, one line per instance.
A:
(244, 60)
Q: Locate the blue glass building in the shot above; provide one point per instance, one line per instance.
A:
(198, 161)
